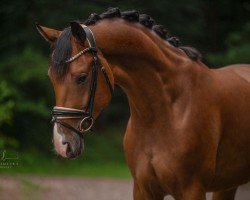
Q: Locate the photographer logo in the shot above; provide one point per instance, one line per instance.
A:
(7, 162)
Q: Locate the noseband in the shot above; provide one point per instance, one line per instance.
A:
(86, 115)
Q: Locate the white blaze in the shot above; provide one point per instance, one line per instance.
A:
(57, 138)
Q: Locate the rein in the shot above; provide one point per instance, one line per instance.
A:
(61, 113)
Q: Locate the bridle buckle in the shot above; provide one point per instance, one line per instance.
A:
(86, 120)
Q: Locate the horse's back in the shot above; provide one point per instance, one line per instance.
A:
(243, 70)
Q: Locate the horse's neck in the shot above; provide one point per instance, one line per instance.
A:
(145, 69)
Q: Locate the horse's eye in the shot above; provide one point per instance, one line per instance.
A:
(81, 79)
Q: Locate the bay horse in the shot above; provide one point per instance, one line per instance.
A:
(189, 128)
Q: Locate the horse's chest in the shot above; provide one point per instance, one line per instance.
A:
(145, 167)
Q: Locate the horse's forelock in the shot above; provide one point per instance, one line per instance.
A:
(61, 51)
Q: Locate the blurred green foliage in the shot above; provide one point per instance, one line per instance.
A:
(6, 103)
(103, 156)
(237, 48)
(219, 29)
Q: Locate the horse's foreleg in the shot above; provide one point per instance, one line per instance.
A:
(193, 192)
(138, 195)
(225, 195)
(146, 193)
(194, 195)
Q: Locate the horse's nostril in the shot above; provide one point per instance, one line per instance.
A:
(72, 147)
(69, 151)
(68, 148)
(64, 140)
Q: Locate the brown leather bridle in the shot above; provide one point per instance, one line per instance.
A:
(61, 113)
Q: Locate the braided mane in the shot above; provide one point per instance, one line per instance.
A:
(147, 21)
(62, 48)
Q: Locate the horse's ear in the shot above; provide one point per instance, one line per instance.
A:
(50, 35)
(77, 31)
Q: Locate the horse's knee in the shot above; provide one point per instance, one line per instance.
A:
(225, 195)
(194, 195)
(192, 192)
(142, 193)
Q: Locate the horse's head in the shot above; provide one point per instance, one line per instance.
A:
(83, 85)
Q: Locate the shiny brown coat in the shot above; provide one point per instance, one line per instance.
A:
(189, 129)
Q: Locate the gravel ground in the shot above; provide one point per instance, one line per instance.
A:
(66, 188)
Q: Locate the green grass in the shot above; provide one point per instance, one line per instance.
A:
(103, 157)
(114, 170)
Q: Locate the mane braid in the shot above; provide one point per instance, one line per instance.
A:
(161, 31)
(111, 13)
(93, 18)
(147, 21)
(132, 16)
(174, 41)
